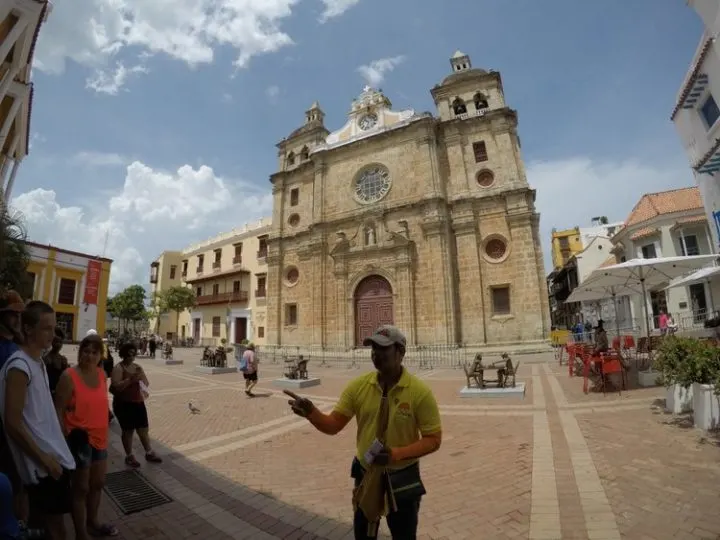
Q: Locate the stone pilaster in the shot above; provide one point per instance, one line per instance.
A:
(527, 295)
(470, 282)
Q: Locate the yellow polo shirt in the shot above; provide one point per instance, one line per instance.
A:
(413, 412)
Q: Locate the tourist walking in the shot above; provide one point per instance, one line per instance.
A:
(398, 422)
(249, 368)
(41, 454)
(81, 401)
(152, 346)
(128, 379)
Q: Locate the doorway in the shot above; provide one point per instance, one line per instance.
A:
(66, 323)
(196, 331)
(698, 302)
(373, 306)
(658, 300)
(240, 329)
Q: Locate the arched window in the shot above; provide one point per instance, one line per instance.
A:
(459, 106)
(481, 101)
(291, 158)
(304, 154)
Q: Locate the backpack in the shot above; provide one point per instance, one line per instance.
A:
(242, 361)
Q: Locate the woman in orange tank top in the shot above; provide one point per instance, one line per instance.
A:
(81, 400)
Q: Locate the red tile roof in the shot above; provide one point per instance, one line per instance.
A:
(652, 205)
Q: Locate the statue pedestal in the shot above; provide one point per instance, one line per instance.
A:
(284, 382)
(207, 370)
(171, 362)
(517, 391)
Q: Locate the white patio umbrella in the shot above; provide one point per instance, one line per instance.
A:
(704, 275)
(646, 274)
(586, 293)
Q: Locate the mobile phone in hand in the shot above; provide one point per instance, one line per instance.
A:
(375, 448)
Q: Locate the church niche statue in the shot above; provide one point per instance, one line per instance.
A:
(370, 238)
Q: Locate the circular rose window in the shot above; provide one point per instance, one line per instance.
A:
(372, 184)
(292, 276)
(495, 249)
(485, 178)
(294, 220)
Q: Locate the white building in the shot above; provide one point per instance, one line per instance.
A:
(667, 224)
(697, 111)
(20, 22)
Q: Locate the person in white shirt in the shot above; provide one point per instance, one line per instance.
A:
(36, 440)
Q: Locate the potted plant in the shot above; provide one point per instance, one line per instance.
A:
(671, 361)
(703, 371)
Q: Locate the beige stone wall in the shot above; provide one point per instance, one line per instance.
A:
(431, 231)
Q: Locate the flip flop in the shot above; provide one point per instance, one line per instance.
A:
(103, 530)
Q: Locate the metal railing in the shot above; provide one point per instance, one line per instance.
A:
(420, 357)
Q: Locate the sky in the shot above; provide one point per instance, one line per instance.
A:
(154, 122)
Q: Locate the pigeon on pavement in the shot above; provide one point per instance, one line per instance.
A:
(193, 409)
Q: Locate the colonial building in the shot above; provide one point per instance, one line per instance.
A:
(20, 22)
(165, 274)
(425, 221)
(576, 253)
(667, 224)
(74, 284)
(228, 274)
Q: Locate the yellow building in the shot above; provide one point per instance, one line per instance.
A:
(228, 274)
(165, 274)
(20, 22)
(74, 284)
(565, 244)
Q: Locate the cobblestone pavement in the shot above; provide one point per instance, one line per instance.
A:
(557, 464)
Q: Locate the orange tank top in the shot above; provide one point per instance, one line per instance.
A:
(88, 409)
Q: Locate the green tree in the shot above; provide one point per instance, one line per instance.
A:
(178, 299)
(129, 305)
(14, 253)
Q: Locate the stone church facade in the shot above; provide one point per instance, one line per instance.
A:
(423, 221)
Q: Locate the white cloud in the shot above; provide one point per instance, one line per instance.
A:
(335, 8)
(374, 72)
(571, 192)
(94, 33)
(99, 159)
(111, 81)
(272, 91)
(154, 211)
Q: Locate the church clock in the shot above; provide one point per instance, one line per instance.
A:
(368, 121)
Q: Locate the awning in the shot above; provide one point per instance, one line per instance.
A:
(710, 162)
(702, 275)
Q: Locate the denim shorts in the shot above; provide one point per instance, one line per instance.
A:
(86, 456)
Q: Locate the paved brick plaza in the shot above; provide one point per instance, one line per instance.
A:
(558, 464)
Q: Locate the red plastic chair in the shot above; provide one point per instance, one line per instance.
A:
(609, 365)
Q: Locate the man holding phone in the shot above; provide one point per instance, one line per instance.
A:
(398, 423)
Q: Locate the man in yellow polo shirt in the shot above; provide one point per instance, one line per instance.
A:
(398, 422)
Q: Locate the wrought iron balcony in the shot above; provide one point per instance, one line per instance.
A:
(237, 259)
(216, 265)
(222, 298)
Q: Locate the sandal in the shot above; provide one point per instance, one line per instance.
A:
(131, 462)
(102, 530)
(151, 457)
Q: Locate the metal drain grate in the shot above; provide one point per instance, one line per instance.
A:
(132, 492)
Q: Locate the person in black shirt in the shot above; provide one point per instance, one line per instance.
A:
(55, 363)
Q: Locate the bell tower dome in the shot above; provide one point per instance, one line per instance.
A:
(460, 62)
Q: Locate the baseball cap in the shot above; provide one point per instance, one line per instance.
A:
(11, 301)
(92, 332)
(385, 336)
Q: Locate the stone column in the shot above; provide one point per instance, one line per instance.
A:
(406, 299)
(456, 163)
(274, 298)
(443, 305)
(470, 283)
(12, 37)
(526, 295)
(341, 297)
(11, 180)
(12, 114)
